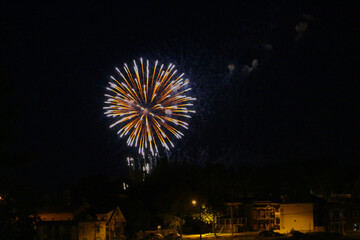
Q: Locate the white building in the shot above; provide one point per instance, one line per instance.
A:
(296, 216)
(106, 226)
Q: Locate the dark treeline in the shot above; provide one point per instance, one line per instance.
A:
(164, 196)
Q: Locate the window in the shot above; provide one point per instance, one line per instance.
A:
(82, 228)
(56, 232)
(255, 214)
(277, 221)
(97, 228)
(335, 214)
(45, 230)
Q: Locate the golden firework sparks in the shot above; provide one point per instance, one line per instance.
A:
(149, 103)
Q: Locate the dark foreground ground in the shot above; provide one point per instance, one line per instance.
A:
(254, 235)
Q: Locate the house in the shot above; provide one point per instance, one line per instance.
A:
(103, 226)
(255, 216)
(56, 225)
(338, 212)
(65, 225)
(266, 215)
(262, 215)
(343, 214)
(233, 220)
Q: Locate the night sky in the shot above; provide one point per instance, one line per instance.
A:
(299, 102)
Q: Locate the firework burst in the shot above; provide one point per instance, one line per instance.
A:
(149, 103)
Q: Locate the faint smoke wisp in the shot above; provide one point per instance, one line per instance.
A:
(302, 26)
(231, 68)
(254, 65)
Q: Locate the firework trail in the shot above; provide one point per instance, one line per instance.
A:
(149, 102)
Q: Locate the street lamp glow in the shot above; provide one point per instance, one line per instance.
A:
(194, 203)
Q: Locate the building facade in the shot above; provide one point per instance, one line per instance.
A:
(338, 213)
(252, 216)
(296, 216)
(266, 215)
(105, 226)
(234, 219)
(344, 216)
(66, 226)
(263, 215)
(57, 225)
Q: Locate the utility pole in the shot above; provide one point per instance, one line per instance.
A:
(200, 220)
(231, 210)
(194, 202)
(232, 220)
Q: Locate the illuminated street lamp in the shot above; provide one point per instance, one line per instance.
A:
(194, 203)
